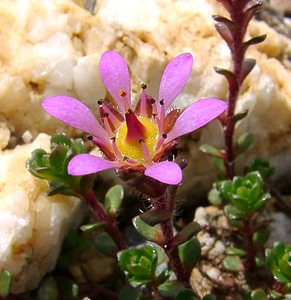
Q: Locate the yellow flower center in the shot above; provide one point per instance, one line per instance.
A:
(133, 150)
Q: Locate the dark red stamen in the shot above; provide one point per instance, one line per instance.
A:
(135, 129)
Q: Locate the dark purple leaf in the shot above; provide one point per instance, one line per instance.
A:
(153, 217)
(247, 67)
(231, 79)
(186, 233)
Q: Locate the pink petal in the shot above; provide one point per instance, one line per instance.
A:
(84, 164)
(115, 76)
(74, 113)
(166, 171)
(175, 77)
(195, 116)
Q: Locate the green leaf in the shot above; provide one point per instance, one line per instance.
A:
(60, 139)
(57, 158)
(150, 233)
(186, 295)
(186, 233)
(105, 244)
(233, 213)
(155, 216)
(210, 150)
(239, 116)
(5, 283)
(190, 253)
(263, 167)
(96, 227)
(139, 263)
(214, 197)
(170, 289)
(243, 142)
(258, 294)
(261, 236)
(232, 263)
(48, 290)
(235, 251)
(113, 199)
(129, 293)
(219, 164)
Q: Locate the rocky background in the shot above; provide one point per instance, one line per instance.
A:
(53, 47)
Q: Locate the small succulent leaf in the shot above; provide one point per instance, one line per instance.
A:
(150, 233)
(60, 188)
(190, 253)
(247, 67)
(210, 150)
(233, 213)
(186, 233)
(39, 159)
(60, 140)
(95, 227)
(57, 158)
(78, 146)
(186, 295)
(225, 187)
(170, 289)
(214, 197)
(48, 290)
(129, 293)
(243, 142)
(105, 244)
(225, 33)
(285, 266)
(255, 40)
(263, 167)
(239, 116)
(230, 24)
(6, 279)
(260, 262)
(230, 77)
(250, 12)
(232, 263)
(258, 294)
(113, 199)
(219, 164)
(162, 277)
(139, 263)
(261, 236)
(235, 251)
(156, 216)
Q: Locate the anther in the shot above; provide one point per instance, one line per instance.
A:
(141, 141)
(162, 102)
(90, 137)
(122, 93)
(100, 102)
(143, 86)
(164, 135)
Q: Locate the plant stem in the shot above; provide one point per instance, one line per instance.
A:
(250, 263)
(110, 224)
(237, 56)
(166, 202)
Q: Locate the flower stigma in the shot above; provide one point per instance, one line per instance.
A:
(133, 148)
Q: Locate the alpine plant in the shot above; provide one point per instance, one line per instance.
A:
(136, 138)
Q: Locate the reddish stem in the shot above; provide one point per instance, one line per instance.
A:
(110, 224)
(167, 202)
(250, 263)
(237, 56)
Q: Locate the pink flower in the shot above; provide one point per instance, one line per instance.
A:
(137, 138)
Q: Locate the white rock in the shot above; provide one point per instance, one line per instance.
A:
(33, 225)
